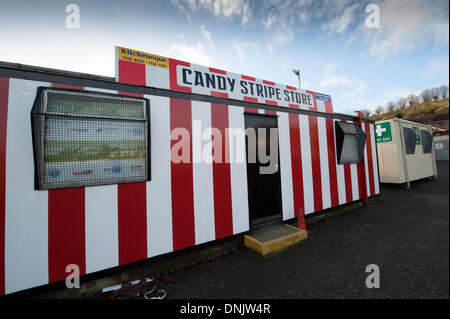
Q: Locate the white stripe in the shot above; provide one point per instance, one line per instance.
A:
(157, 77)
(306, 164)
(102, 239)
(354, 174)
(159, 199)
(341, 184)
(374, 159)
(323, 151)
(238, 174)
(340, 176)
(366, 167)
(26, 211)
(202, 175)
(101, 223)
(285, 166)
(260, 111)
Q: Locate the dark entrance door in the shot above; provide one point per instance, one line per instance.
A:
(264, 190)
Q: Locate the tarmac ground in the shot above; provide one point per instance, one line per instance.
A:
(405, 233)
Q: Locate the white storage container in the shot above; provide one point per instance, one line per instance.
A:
(405, 151)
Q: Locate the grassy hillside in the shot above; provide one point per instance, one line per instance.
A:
(420, 111)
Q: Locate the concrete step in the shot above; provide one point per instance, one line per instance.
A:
(274, 238)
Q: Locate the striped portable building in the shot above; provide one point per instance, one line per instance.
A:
(183, 204)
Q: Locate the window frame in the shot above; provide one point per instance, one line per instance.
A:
(423, 141)
(340, 144)
(39, 109)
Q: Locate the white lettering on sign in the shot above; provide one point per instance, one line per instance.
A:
(380, 130)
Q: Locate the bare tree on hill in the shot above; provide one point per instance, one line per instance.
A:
(390, 106)
(444, 90)
(379, 110)
(435, 93)
(413, 100)
(402, 103)
(426, 96)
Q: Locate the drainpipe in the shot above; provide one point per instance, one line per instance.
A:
(433, 155)
(363, 165)
(402, 140)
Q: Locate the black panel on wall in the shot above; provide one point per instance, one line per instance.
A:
(350, 141)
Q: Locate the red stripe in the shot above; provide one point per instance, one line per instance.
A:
(269, 82)
(360, 173)
(67, 86)
(329, 107)
(270, 112)
(132, 221)
(223, 215)
(315, 159)
(131, 73)
(4, 92)
(66, 226)
(313, 108)
(219, 94)
(370, 160)
(217, 71)
(271, 102)
(296, 163)
(348, 181)
(248, 78)
(332, 158)
(132, 197)
(66, 231)
(183, 226)
(250, 99)
(173, 75)
(291, 88)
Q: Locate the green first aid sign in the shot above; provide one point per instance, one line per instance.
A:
(383, 132)
(417, 131)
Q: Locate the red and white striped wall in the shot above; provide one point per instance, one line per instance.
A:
(183, 205)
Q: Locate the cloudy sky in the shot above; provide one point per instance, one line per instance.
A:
(329, 41)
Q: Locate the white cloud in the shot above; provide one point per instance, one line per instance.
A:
(194, 54)
(206, 35)
(225, 8)
(271, 19)
(341, 22)
(243, 47)
(283, 36)
(331, 79)
(407, 25)
(437, 67)
(270, 47)
(394, 94)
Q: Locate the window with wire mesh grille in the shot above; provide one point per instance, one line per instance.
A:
(85, 138)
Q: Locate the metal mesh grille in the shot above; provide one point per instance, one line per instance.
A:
(86, 138)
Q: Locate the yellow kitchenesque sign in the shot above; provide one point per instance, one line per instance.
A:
(142, 58)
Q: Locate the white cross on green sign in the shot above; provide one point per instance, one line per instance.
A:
(417, 131)
(383, 132)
